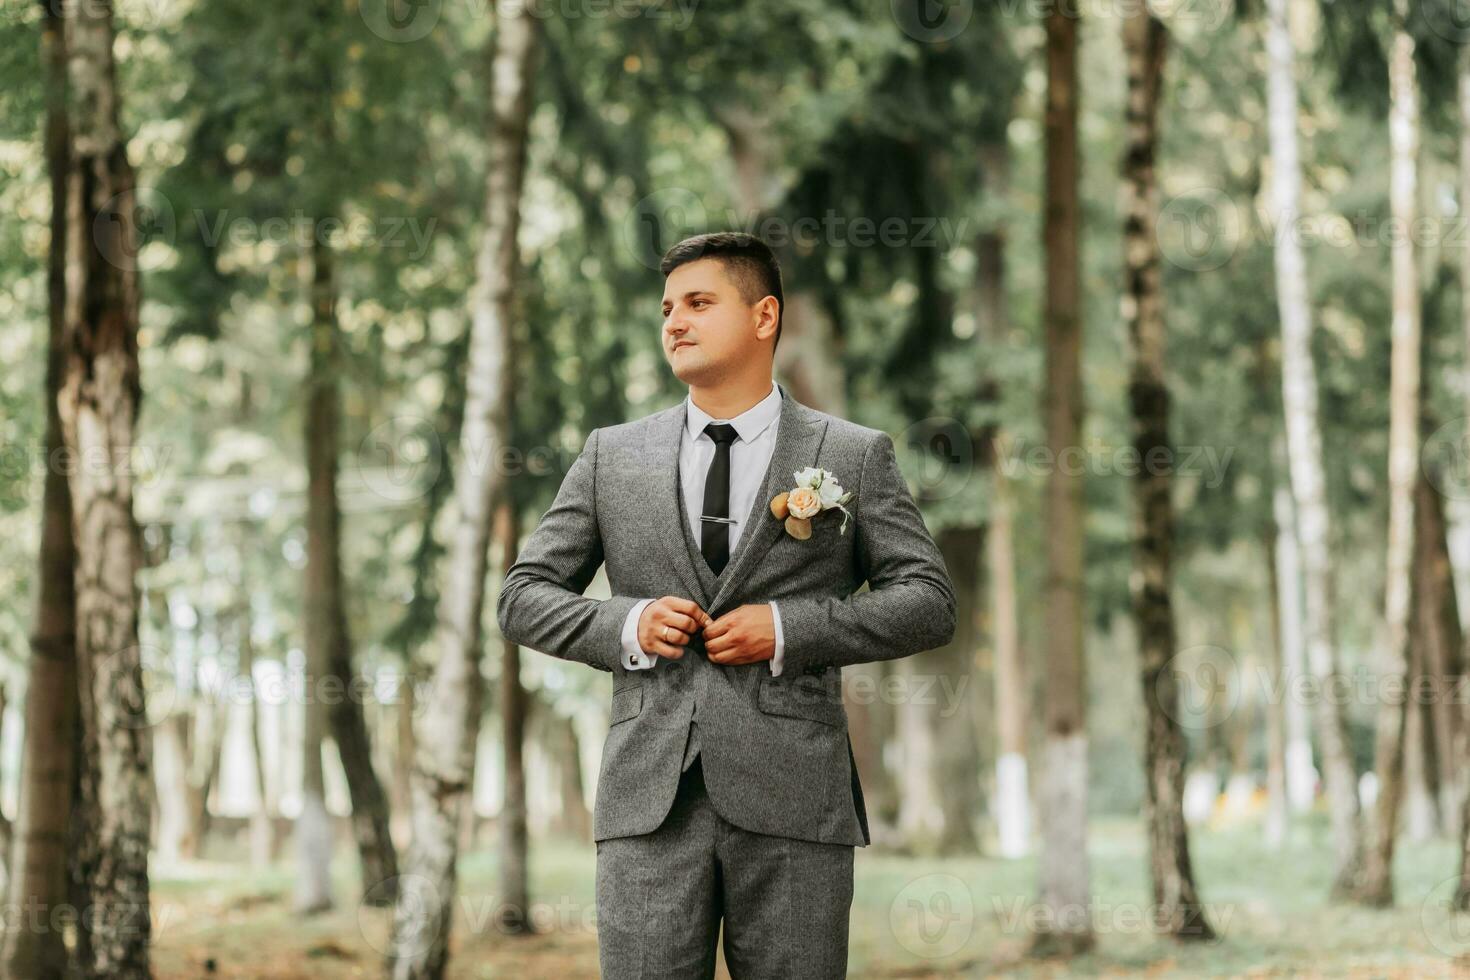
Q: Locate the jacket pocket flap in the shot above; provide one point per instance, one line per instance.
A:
(627, 703)
(801, 699)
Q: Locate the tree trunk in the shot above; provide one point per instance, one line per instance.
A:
(1301, 774)
(262, 821)
(212, 722)
(870, 723)
(1064, 866)
(1304, 450)
(1145, 44)
(515, 894)
(576, 820)
(1012, 696)
(1421, 814)
(313, 823)
(950, 701)
(444, 764)
(1403, 458)
(919, 813)
(7, 828)
(403, 752)
(1460, 751)
(170, 770)
(1278, 808)
(38, 859)
(1012, 807)
(328, 639)
(1437, 632)
(98, 404)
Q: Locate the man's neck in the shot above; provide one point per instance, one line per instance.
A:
(729, 401)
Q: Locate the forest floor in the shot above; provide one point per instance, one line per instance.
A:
(913, 917)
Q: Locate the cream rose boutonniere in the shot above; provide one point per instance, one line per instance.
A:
(816, 490)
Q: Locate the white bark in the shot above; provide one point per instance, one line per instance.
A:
(1301, 774)
(1403, 453)
(446, 739)
(1304, 444)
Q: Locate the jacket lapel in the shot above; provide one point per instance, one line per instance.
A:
(667, 496)
(797, 439)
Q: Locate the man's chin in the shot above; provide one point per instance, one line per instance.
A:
(692, 374)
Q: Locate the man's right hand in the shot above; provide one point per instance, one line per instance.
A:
(672, 617)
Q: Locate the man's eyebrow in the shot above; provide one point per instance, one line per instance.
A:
(696, 292)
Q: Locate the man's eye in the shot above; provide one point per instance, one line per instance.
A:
(698, 303)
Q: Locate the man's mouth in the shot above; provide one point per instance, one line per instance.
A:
(684, 343)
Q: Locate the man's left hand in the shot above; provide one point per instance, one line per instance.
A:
(746, 635)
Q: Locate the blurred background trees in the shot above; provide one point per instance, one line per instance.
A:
(1026, 260)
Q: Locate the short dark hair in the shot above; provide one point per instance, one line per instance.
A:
(748, 260)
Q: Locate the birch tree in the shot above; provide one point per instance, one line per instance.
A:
(445, 744)
(1181, 913)
(1304, 447)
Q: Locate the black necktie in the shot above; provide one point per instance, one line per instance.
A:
(714, 536)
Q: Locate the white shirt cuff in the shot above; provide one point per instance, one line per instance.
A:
(779, 655)
(633, 656)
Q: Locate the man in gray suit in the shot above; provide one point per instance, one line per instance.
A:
(728, 790)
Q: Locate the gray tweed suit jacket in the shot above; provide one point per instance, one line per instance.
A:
(775, 750)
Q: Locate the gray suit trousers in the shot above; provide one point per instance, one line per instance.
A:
(661, 897)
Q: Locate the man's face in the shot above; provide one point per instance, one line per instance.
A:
(709, 331)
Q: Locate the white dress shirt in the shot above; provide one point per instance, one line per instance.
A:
(750, 455)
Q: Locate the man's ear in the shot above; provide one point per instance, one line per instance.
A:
(767, 313)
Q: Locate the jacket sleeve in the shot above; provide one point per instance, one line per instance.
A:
(541, 604)
(910, 604)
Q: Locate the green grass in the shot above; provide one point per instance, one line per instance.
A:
(913, 917)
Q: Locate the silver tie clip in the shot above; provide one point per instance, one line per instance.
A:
(719, 520)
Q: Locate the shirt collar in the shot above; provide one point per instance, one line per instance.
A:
(748, 424)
